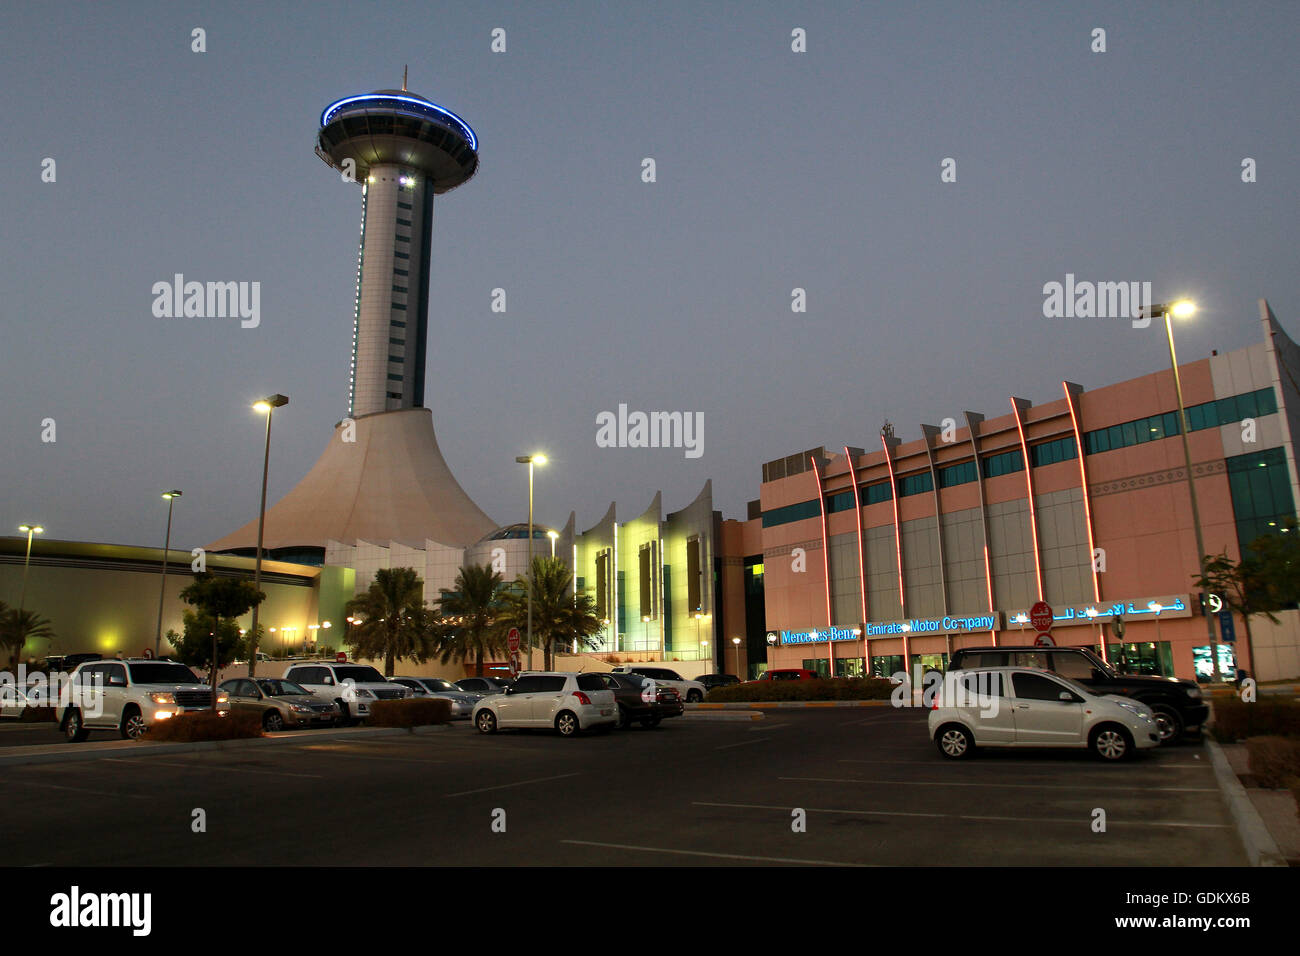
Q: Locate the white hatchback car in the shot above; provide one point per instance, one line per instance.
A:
(568, 702)
(691, 691)
(1028, 707)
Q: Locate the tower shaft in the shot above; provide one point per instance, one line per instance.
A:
(390, 330)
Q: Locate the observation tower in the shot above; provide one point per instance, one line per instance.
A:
(382, 477)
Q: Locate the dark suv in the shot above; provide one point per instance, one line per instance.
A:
(1176, 704)
(635, 703)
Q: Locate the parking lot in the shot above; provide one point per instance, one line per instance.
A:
(695, 791)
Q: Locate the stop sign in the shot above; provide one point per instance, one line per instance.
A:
(512, 639)
(1040, 615)
(341, 658)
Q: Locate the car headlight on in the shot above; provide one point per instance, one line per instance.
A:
(223, 698)
(1193, 693)
(163, 698)
(300, 708)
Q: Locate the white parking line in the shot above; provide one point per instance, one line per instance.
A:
(201, 766)
(348, 753)
(517, 783)
(718, 856)
(1005, 786)
(864, 720)
(1028, 766)
(756, 740)
(98, 793)
(1074, 821)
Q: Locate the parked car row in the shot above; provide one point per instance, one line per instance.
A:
(129, 696)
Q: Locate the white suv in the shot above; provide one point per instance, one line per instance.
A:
(130, 696)
(1029, 707)
(691, 691)
(352, 686)
(568, 702)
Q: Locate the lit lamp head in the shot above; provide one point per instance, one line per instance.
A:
(735, 640)
(169, 495)
(552, 535)
(273, 401)
(537, 459)
(31, 529)
(1178, 309)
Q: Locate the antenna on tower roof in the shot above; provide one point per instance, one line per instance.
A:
(403, 77)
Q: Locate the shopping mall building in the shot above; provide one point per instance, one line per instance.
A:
(850, 561)
(887, 558)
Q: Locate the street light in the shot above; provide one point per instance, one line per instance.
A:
(1182, 309)
(267, 407)
(736, 642)
(645, 632)
(530, 460)
(29, 530)
(171, 497)
(552, 535)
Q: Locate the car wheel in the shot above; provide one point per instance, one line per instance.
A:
(1111, 742)
(566, 723)
(1168, 723)
(624, 718)
(694, 697)
(272, 721)
(954, 742)
(487, 722)
(133, 725)
(73, 729)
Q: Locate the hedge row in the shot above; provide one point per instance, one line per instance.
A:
(412, 712)
(1234, 719)
(838, 688)
(205, 725)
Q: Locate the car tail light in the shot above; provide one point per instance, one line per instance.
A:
(582, 698)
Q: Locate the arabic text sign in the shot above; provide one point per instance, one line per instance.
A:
(1139, 609)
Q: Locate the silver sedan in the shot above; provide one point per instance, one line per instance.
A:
(462, 702)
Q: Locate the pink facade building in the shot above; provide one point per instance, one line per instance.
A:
(888, 557)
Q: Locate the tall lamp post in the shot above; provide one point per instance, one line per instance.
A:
(1182, 309)
(530, 460)
(266, 406)
(552, 535)
(29, 530)
(171, 497)
(736, 642)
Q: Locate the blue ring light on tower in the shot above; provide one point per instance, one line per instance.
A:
(396, 127)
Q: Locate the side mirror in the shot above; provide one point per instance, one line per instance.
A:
(1066, 697)
(328, 680)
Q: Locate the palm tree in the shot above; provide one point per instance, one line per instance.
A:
(559, 615)
(470, 623)
(18, 627)
(395, 620)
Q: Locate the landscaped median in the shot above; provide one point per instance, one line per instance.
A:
(829, 692)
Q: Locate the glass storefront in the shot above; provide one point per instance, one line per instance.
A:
(1204, 663)
(1145, 658)
(927, 663)
(886, 665)
(821, 666)
(849, 667)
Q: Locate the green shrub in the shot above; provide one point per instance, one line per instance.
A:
(412, 712)
(38, 715)
(839, 688)
(1235, 720)
(1273, 760)
(205, 725)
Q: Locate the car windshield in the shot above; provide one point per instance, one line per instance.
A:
(437, 683)
(279, 688)
(162, 673)
(359, 674)
(1098, 663)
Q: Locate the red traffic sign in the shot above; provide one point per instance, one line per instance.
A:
(1044, 640)
(341, 657)
(148, 654)
(512, 639)
(1040, 615)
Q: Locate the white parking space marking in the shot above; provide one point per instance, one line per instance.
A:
(1081, 820)
(517, 783)
(222, 768)
(717, 856)
(756, 740)
(98, 793)
(1036, 763)
(865, 720)
(1006, 786)
(348, 753)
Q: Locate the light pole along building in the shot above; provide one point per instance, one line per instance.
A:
(885, 558)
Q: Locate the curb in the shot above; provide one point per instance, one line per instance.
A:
(745, 715)
(782, 704)
(1261, 848)
(16, 757)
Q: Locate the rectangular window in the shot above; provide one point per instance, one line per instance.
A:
(400, 272)
(393, 341)
(1051, 452)
(399, 307)
(646, 557)
(397, 358)
(840, 501)
(403, 222)
(915, 484)
(394, 378)
(875, 493)
(959, 474)
(804, 509)
(402, 255)
(402, 238)
(399, 288)
(1004, 463)
(397, 324)
(694, 583)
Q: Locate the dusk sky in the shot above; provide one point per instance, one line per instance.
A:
(775, 170)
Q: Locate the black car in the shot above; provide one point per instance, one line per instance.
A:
(718, 680)
(483, 685)
(1176, 704)
(631, 696)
